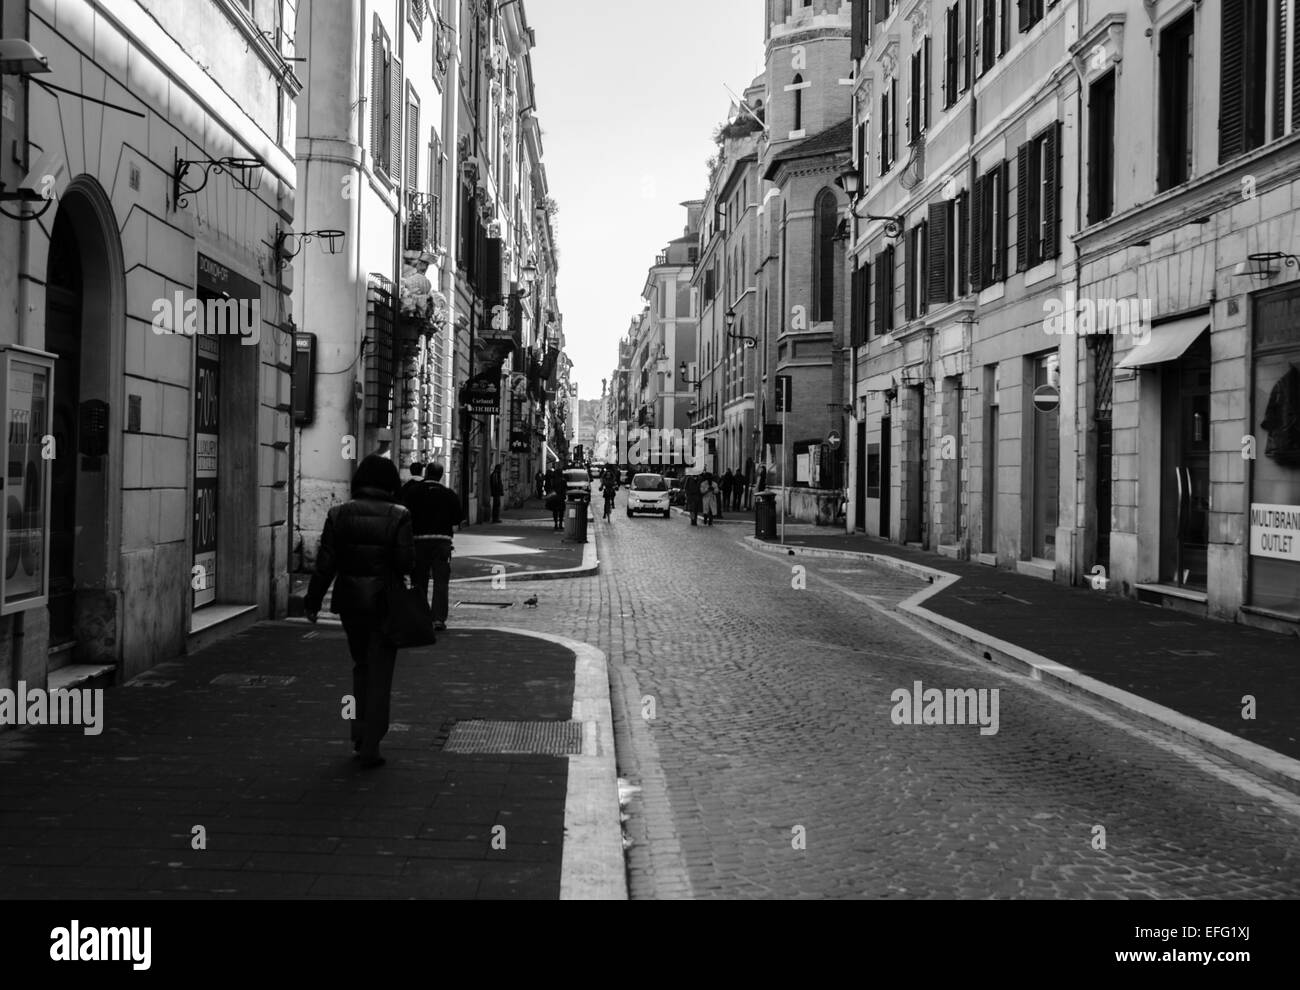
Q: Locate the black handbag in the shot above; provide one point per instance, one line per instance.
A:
(408, 621)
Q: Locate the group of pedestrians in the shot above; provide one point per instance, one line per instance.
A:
(709, 495)
(369, 544)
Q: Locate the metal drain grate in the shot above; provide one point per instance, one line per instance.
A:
(484, 605)
(252, 680)
(538, 738)
(989, 599)
(1192, 653)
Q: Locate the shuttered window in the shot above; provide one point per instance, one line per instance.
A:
(1030, 13)
(951, 38)
(915, 277)
(378, 96)
(861, 28)
(435, 185)
(1174, 161)
(412, 139)
(989, 228)
(1242, 74)
(1037, 199)
(938, 287)
(395, 91)
(884, 287)
(861, 299)
(961, 250)
(1101, 148)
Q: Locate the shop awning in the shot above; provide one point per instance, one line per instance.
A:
(1168, 342)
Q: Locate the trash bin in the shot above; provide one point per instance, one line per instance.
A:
(765, 516)
(575, 519)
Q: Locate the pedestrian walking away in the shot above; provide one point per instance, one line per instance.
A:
(498, 489)
(709, 498)
(555, 500)
(436, 511)
(366, 546)
(738, 490)
(726, 487)
(692, 487)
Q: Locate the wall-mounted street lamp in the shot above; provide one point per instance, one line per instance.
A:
(687, 381)
(850, 180)
(731, 322)
(331, 241)
(19, 58)
(1263, 264)
(247, 172)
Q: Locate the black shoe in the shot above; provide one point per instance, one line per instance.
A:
(439, 626)
(370, 762)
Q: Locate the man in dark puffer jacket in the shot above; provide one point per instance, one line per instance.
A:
(367, 543)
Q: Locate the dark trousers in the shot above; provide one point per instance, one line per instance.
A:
(372, 680)
(496, 508)
(433, 560)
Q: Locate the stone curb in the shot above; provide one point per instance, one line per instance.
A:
(1266, 763)
(591, 865)
(590, 565)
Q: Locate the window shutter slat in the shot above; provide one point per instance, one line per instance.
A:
(867, 272)
(1003, 191)
(923, 264)
(909, 275)
(939, 281)
(962, 259)
(376, 97)
(925, 84)
(977, 234)
(1024, 194)
(1295, 66)
(413, 148)
(398, 94)
(1051, 207)
(1279, 72)
(1232, 117)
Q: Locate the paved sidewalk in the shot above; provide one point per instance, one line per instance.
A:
(265, 768)
(1197, 667)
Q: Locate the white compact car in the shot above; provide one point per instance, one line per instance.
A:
(649, 493)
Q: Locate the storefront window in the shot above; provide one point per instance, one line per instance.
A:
(27, 395)
(1274, 521)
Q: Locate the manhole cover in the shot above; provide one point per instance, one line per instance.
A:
(252, 680)
(484, 605)
(540, 738)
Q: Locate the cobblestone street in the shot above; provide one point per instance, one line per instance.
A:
(772, 729)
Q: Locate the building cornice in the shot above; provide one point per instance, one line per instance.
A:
(1271, 166)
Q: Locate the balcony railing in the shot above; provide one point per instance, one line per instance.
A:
(420, 233)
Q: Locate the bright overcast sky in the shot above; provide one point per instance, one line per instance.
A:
(628, 94)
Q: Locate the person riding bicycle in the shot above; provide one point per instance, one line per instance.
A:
(608, 489)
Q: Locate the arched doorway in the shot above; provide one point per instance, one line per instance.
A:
(84, 329)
